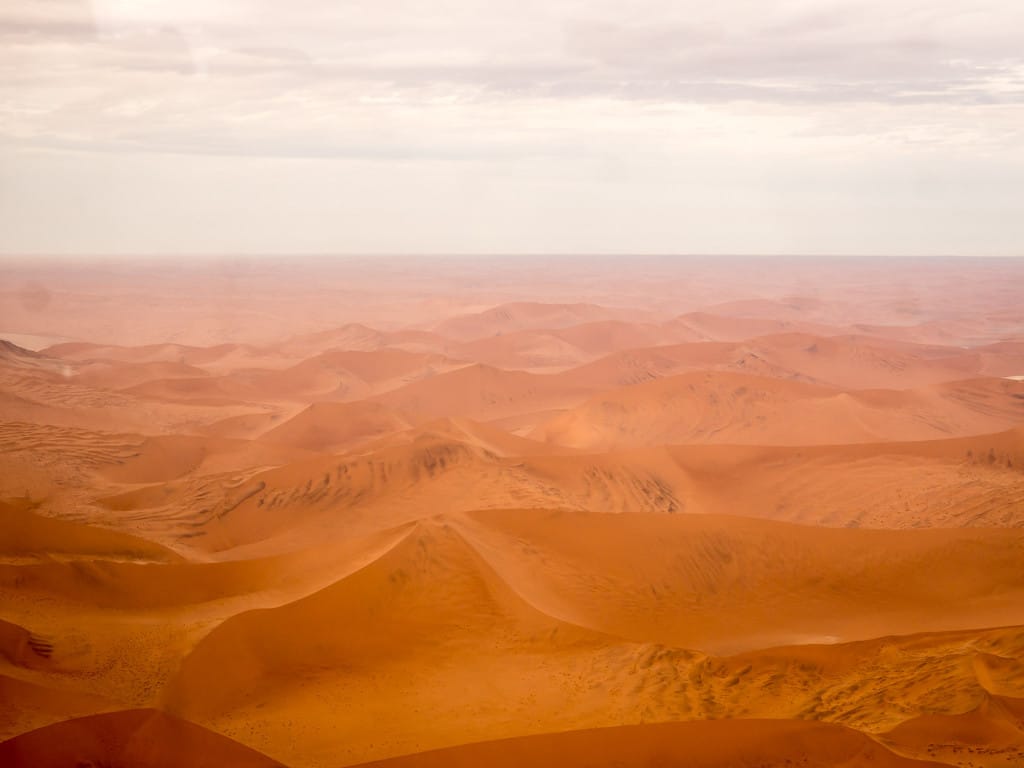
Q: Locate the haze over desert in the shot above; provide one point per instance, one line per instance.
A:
(483, 511)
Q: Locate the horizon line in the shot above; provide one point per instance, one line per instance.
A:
(112, 256)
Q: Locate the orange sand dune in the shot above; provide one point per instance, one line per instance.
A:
(479, 511)
(40, 461)
(568, 346)
(636, 366)
(358, 337)
(493, 440)
(330, 496)
(381, 366)
(861, 363)
(785, 307)
(522, 316)
(214, 358)
(13, 357)
(735, 408)
(246, 426)
(25, 706)
(106, 634)
(684, 581)
(951, 331)
(406, 478)
(482, 392)
(21, 648)
(105, 375)
(27, 535)
(852, 362)
(843, 361)
(993, 732)
(156, 580)
(718, 744)
(46, 397)
(945, 483)
(387, 601)
(413, 474)
(523, 350)
(697, 581)
(517, 597)
(866, 685)
(333, 427)
(704, 326)
(166, 457)
(607, 336)
(331, 375)
(138, 738)
(346, 375)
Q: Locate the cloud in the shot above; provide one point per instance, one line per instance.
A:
(555, 98)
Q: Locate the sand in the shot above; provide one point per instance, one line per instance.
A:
(697, 514)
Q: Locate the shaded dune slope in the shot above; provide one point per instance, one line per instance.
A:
(712, 744)
(127, 739)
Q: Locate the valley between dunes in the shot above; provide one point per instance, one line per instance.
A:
(679, 517)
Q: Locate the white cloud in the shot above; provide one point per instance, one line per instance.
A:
(599, 125)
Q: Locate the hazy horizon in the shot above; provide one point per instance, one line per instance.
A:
(503, 261)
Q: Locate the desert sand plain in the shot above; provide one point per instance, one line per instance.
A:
(506, 511)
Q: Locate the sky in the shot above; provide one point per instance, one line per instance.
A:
(512, 126)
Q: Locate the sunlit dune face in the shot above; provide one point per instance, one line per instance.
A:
(334, 512)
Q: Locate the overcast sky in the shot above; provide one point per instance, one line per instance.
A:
(466, 126)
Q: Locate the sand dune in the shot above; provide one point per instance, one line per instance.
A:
(482, 392)
(458, 465)
(331, 375)
(744, 743)
(167, 457)
(493, 440)
(523, 316)
(735, 408)
(333, 427)
(14, 357)
(935, 483)
(362, 338)
(205, 358)
(635, 366)
(247, 426)
(772, 515)
(523, 350)
(26, 706)
(849, 362)
(870, 687)
(555, 348)
(45, 397)
(864, 363)
(133, 738)
(993, 732)
(386, 599)
(104, 375)
(27, 534)
(695, 582)
(606, 336)
(347, 374)
(705, 326)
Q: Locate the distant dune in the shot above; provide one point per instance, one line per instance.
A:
(745, 743)
(332, 427)
(136, 738)
(736, 408)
